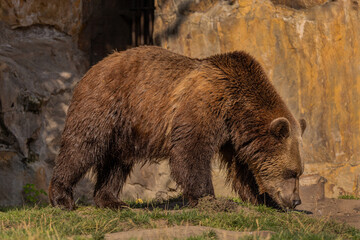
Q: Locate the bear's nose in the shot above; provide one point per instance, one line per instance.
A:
(296, 202)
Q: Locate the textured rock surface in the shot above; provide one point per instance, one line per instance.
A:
(38, 68)
(65, 15)
(311, 55)
(154, 182)
(150, 182)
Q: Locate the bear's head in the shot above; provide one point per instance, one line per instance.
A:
(278, 173)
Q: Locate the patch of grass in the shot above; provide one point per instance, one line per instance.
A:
(90, 222)
(349, 197)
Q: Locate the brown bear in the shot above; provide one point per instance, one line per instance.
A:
(148, 103)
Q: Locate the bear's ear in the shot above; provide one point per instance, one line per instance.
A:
(280, 128)
(302, 125)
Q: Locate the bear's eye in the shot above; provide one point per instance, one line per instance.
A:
(290, 174)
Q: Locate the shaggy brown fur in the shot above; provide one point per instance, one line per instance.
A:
(148, 103)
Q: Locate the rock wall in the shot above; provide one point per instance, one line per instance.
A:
(309, 49)
(45, 48)
(39, 67)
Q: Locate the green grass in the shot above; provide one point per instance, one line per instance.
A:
(89, 222)
(349, 197)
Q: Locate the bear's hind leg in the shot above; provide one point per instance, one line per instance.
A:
(65, 176)
(111, 177)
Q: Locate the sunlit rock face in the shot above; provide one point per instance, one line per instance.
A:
(309, 49)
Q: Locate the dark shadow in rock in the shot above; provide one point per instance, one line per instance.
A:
(173, 29)
(299, 4)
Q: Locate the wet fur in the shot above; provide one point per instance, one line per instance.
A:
(148, 103)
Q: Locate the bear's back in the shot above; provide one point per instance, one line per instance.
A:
(148, 91)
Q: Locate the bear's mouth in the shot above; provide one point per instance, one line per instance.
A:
(270, 201)
(283, 204)
(275, 201)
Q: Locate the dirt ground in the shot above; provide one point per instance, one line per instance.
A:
(342, 210)
(185, 232)
(314, 202)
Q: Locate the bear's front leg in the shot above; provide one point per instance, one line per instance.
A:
(190, 165)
